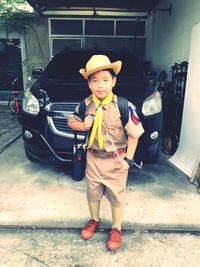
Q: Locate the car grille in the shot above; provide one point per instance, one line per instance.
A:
(61, 125)
(57, 119)
(69, 107)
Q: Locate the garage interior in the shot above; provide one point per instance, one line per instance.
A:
(158, 31)
(155, 30)
(166, 42)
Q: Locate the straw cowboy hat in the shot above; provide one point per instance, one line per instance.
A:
(100, 62)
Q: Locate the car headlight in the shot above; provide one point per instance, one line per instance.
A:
(30, 103)
(152, 105)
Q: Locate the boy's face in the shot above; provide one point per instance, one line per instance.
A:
(101, 83)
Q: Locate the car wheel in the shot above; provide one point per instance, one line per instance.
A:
(170, 144)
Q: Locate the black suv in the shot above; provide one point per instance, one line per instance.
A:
(53, 97)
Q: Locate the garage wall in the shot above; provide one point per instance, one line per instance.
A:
(37, 44)
(168, 37)
(35, 48)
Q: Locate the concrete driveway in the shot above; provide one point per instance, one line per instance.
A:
(34, 194)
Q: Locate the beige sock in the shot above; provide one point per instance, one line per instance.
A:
(117, 214)
(94, 208)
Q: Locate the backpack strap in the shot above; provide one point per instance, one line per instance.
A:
(82, 109)
(80, 114)
(123, 109)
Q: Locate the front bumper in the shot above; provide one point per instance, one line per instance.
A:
(39, 149)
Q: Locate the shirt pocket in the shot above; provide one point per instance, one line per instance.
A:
(115, 130)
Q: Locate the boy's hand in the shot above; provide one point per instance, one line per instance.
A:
(88, 121)
(124, 166)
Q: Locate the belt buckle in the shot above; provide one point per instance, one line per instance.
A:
(101, 155)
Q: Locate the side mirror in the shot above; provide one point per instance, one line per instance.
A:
(36, 73)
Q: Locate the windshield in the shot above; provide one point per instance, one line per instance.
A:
(67, 64)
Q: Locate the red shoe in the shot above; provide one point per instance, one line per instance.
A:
(114, 241)
(89, 229)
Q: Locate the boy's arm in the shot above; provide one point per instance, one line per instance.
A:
(133, 130)
(131, 148)
(81, 125)
(76, 125)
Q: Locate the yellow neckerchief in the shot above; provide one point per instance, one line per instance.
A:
(98, 119)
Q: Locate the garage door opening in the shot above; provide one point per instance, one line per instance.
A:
(10, 67)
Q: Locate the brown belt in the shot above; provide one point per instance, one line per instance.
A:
(106, 155)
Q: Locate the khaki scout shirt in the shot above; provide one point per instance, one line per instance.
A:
(113, 124)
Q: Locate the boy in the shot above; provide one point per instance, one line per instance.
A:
(111, 146)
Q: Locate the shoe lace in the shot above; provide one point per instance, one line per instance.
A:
(115, 235)
(90, 223)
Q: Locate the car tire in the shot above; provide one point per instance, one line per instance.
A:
(170, 144)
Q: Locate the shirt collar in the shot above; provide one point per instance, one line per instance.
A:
(89, 99)
(113, 100)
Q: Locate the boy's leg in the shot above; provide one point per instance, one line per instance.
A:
(117, 214)
(114, 241)
(94, 208)
(90, 228)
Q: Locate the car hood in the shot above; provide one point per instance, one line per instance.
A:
(76, 89)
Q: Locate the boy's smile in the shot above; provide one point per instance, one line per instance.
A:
(101, 83)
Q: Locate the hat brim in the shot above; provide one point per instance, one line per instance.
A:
(115, 66)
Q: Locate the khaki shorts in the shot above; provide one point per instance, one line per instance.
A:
(104, 178)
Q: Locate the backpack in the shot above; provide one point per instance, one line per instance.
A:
(122, 105)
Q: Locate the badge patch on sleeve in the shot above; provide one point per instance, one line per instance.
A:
(134, 117)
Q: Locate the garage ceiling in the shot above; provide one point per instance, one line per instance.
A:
(128, 5)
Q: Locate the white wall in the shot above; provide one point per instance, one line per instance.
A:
(187, 157)
(168, 37)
